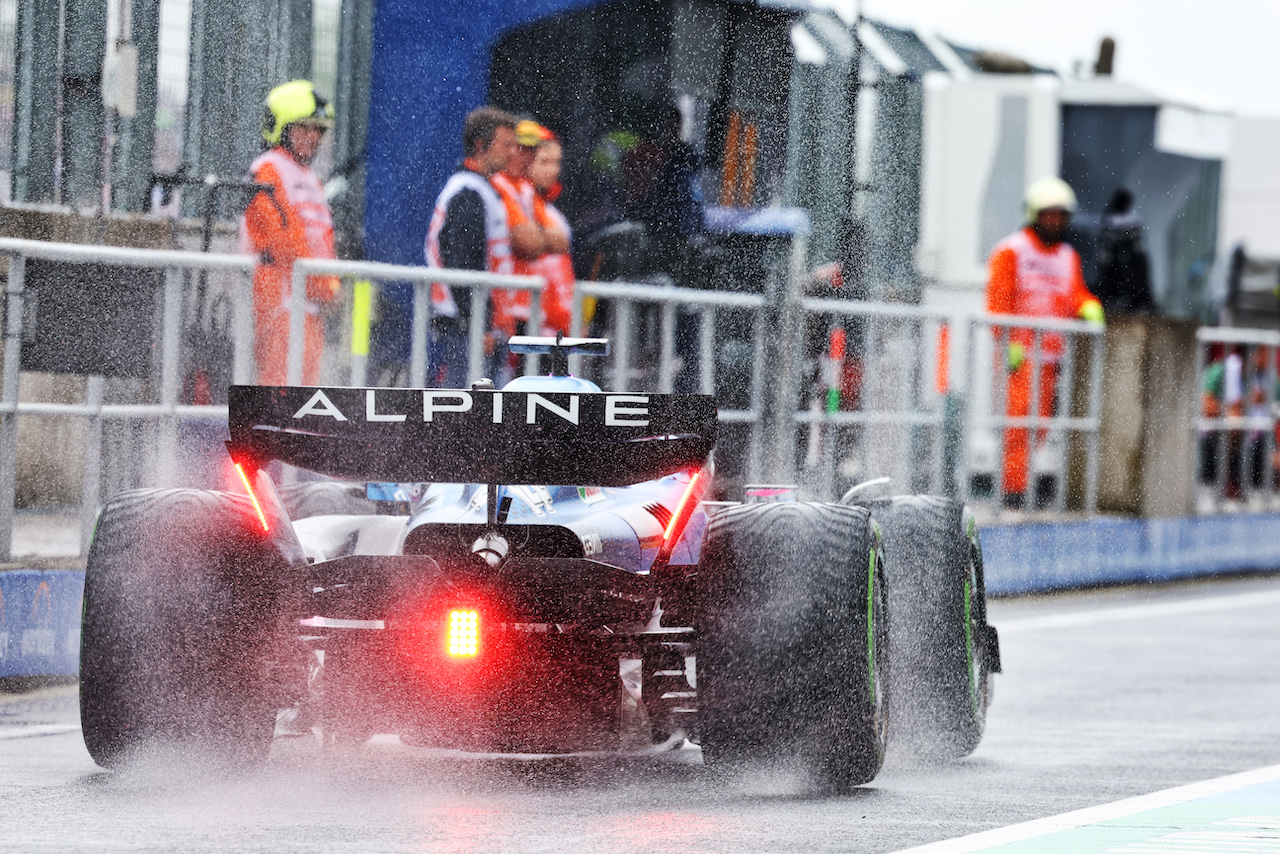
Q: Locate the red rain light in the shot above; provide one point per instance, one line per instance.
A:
(676, 523)
(464, 633)
(253, 497)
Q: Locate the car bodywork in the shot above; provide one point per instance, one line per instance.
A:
(560, 523)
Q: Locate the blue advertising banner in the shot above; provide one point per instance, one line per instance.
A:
(40, 622)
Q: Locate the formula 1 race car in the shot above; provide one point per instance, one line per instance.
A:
(527, 570)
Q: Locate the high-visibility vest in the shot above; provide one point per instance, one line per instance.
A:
(291, 222)
(557, 269)
(1029, 278)
(511, 306)
(497, 235)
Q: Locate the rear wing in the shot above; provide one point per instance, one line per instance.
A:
(472, 435)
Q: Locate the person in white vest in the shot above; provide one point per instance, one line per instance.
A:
(291, 221)
(468, 231)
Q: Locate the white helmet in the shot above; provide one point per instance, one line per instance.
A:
(1049, 193)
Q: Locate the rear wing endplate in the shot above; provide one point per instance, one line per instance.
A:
(472, 435)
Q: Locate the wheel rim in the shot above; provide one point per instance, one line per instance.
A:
(971, 628)
(875, 602)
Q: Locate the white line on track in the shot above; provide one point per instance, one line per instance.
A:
(1093, 815)
(1138, 612)
(8, 733)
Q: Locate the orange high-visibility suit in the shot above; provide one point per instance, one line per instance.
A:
(1029, 278)
(525, 204)
(292, 222)
(509, 305)
(557, 269)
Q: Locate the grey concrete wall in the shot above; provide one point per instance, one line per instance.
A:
(1145, 451)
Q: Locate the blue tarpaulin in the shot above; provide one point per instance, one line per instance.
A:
(430, 68)
(40, 622)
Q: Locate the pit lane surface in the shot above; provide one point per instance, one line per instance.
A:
(1105, 696)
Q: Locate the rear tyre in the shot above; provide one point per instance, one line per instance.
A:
(943, 650)
(793, 640)
(182, 600)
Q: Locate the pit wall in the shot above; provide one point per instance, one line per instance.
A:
(40, 610)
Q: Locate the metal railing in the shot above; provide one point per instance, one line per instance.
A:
(1057, 407)
(167, 410)
(1234, 424)
(898, 419)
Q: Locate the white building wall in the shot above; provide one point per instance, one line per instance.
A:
(1250, 212)
(985, 139)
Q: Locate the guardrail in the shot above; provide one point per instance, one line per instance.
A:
(1056, 406)
(775, 390)
(167, 410)
(1234, 429)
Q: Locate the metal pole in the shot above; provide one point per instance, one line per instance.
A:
(963, 485)
(91, 481)
(242, 370)
(707, 351)
(622, 343)
(476, 331)
(9, 395)
(535, 328)
(36, 85)
(418, 334)
(170, 378)
(83, 117)
(666, 358)
(134, 150)
(297, 319)
(1066, 382)
(755, 460)
(999, 404)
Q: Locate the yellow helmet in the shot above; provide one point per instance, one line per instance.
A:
(1049, 193)
(295, 101)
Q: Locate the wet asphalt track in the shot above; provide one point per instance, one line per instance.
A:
(1105, 695)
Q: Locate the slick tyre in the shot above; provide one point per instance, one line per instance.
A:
(943, 650)
(183, 597)
(793, 640)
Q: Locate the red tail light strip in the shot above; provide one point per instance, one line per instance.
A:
(257, 506)
(680, 516)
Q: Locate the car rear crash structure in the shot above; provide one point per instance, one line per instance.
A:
(531, 570)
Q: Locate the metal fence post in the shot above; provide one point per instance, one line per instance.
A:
(707, 351)
(242, 370)
(419, 331)
(667, 354)
(476, 329)
(297, 320)
(755, 461)
(621, 344)
(91, 480)
(535, 328)
(170, 378)
(9, 398)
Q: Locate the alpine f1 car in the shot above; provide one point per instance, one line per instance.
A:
(531, 570)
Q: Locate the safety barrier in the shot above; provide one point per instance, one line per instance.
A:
(824, 392)
(1031, 395)
(1234, 429)
(166, 411)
